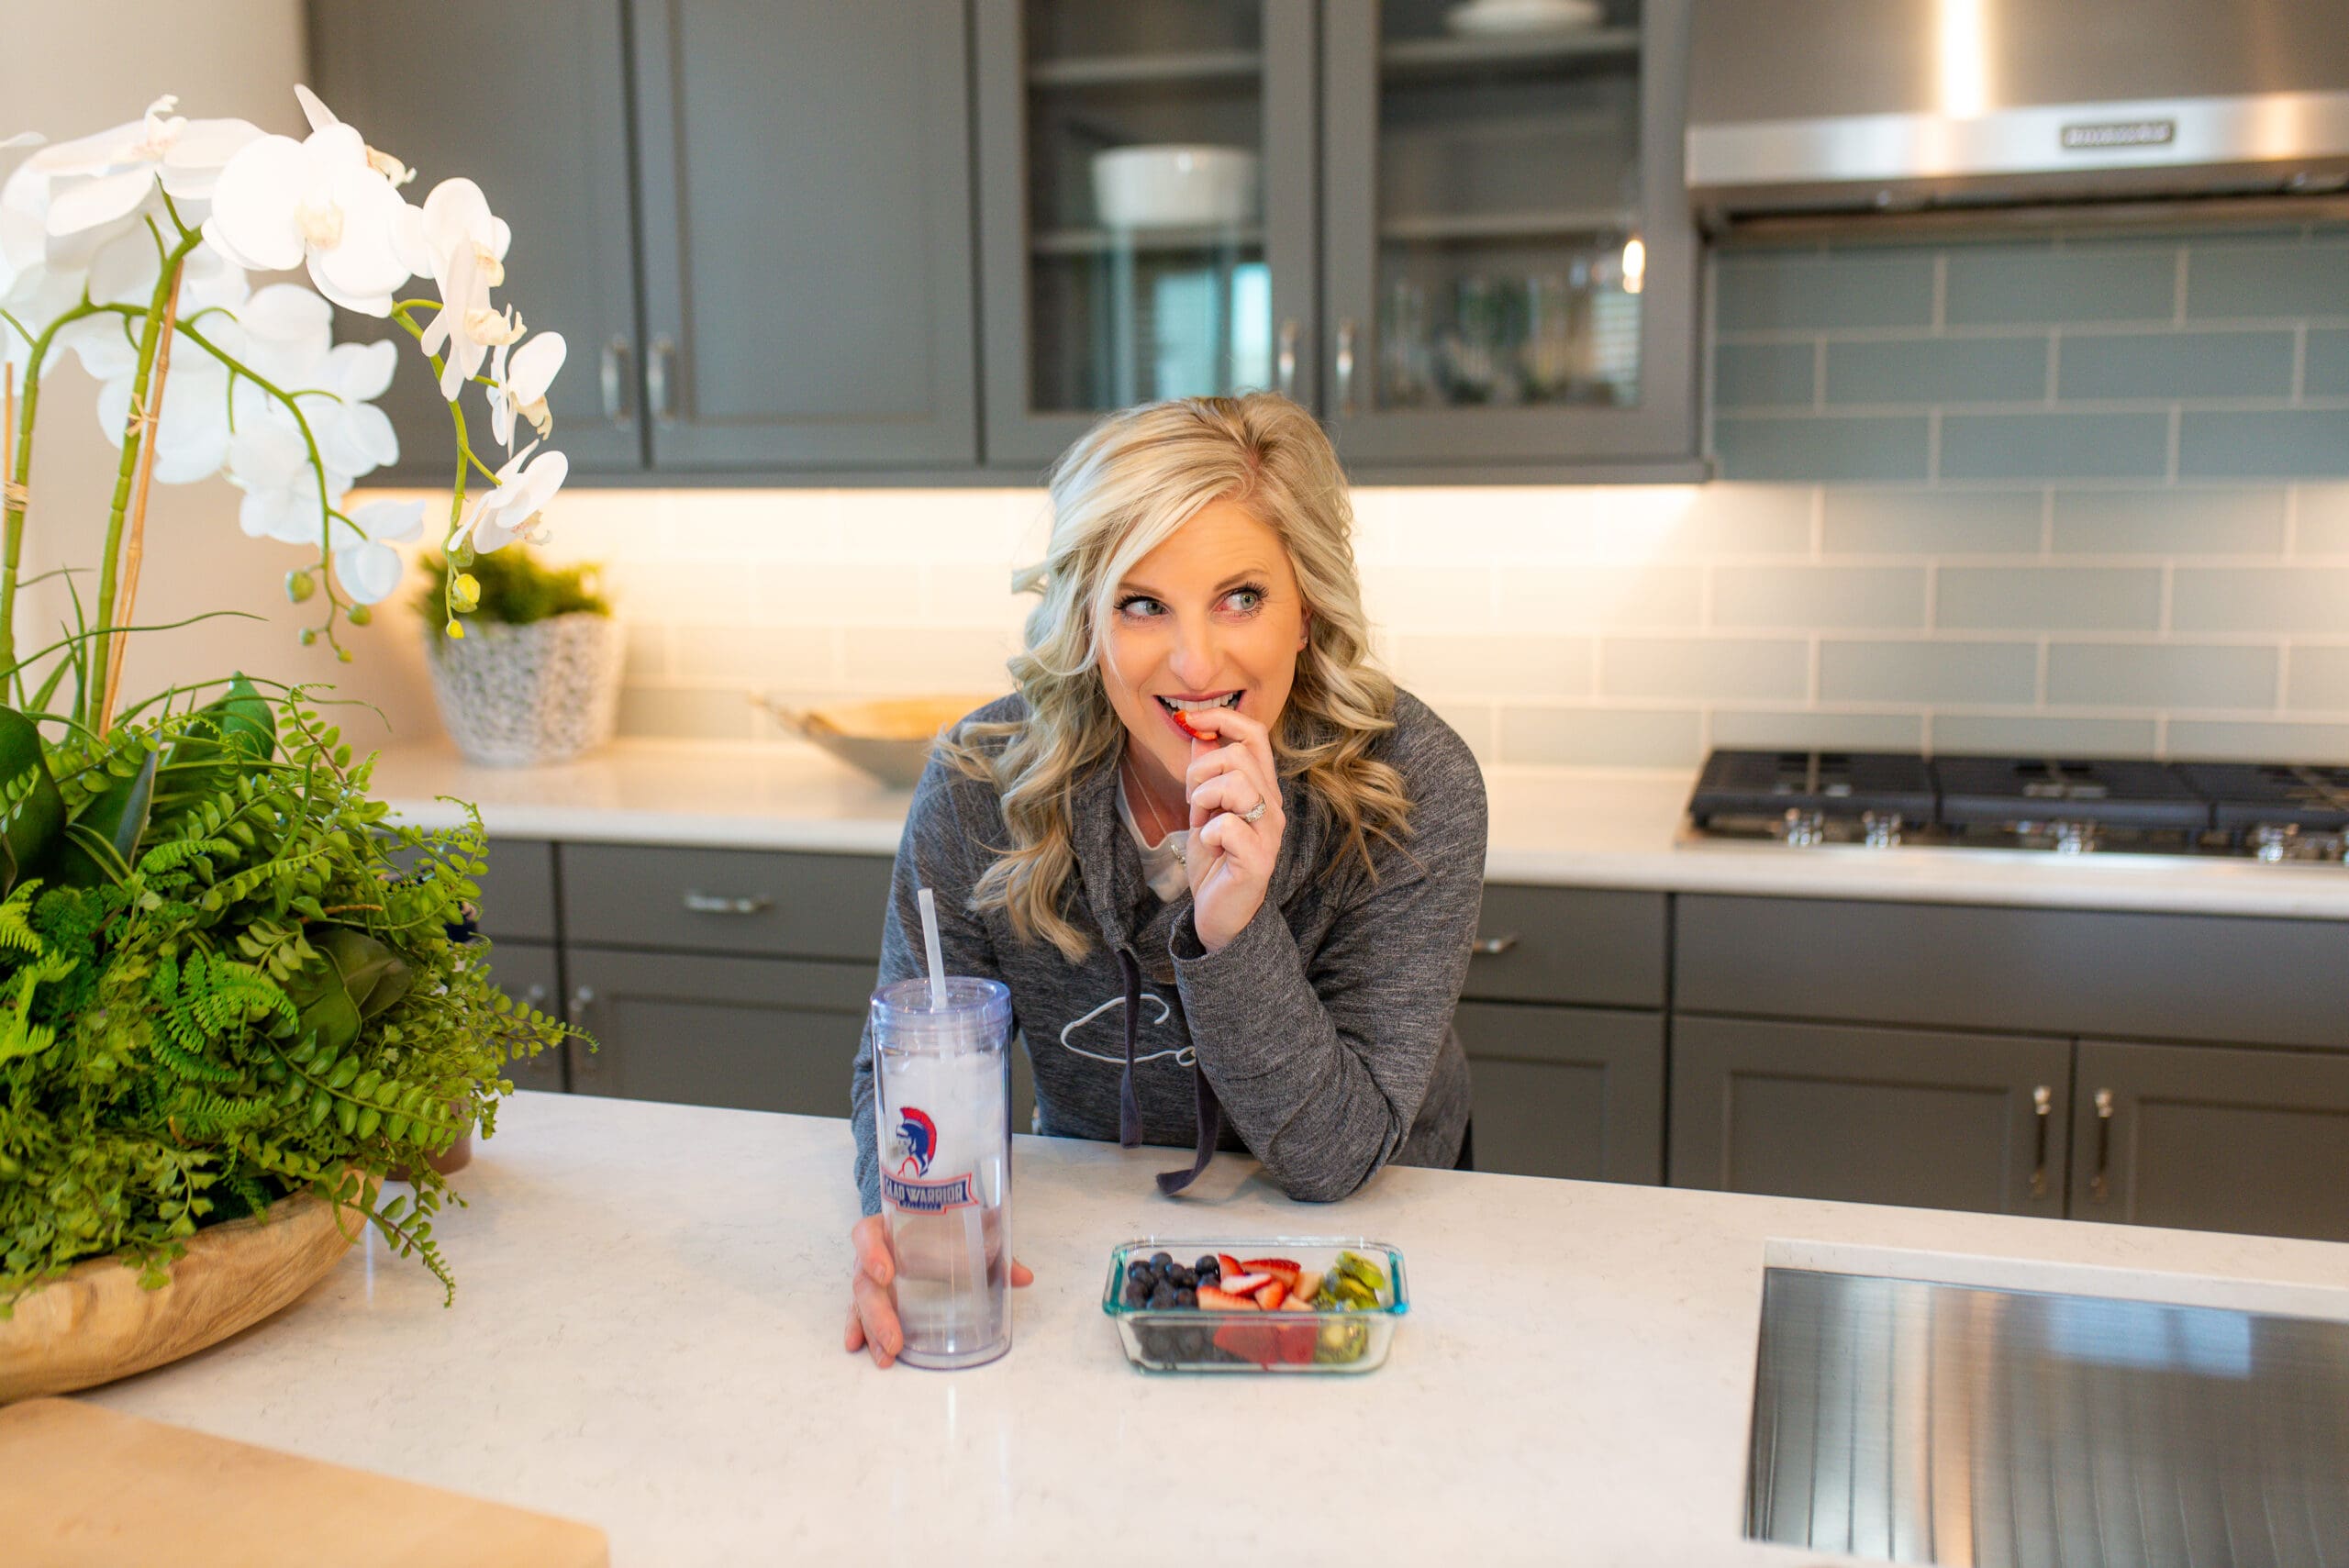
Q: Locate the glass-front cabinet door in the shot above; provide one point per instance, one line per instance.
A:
(1146, 207)
(1510, 267)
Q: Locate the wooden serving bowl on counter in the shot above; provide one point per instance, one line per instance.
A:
(95, 1323)
(888, 738)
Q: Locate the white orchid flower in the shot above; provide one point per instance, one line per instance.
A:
(98, 183)
(525, 485)
(283, 496)
(191, 431)
(287, 330)
(363, 557)
(522, 381)
(466, 245)
(325, 201)
(355, 436)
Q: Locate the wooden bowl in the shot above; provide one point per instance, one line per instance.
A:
(95, 1323)
(887, 740)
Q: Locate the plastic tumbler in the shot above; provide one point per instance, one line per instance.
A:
(943, 1127)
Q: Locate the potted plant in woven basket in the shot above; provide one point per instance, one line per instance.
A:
(535, 677)
(232, 995)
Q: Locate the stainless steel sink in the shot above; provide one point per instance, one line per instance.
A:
(1916, 1422)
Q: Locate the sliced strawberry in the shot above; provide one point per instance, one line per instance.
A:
(1183, 721)
(1245, 1283)
(1295, 1342)
(1230, 1264)
(1307, 1284)
(1214, 1300)
(1270, 1296)
(1280, 1269)
(1296, 1301)
(1256, 1342)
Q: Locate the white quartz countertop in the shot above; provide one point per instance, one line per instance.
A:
(1599, 827)
(646, 1337)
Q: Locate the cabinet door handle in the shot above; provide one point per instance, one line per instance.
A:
(581, 1061)
(618, 406)
(1345, 365)
(1493, 947)
(2043, 1106)
(535, 997)
(657, 366)
(2101, 1183)
(1285, 361)
(700, 903)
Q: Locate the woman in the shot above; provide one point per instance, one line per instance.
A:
(1229, 872)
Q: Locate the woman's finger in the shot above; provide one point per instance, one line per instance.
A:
(870, 1237)
(1021, 1274)
(1235, 793)
(855, 1338)
(1244, 735)
(877, 1319)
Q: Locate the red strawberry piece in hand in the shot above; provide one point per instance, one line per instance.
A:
(1183, 721)
(1280, 1269)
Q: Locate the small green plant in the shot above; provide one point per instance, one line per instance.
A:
(512, 587)
(226, 978)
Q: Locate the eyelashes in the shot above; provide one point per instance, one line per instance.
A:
(1255, 592)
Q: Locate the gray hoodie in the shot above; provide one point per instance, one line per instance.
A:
(1320, 1039)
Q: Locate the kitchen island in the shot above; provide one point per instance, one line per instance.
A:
(646, 1337)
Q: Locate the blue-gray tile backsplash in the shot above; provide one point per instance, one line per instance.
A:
(2219, 356)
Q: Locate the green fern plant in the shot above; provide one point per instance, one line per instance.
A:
(226, 978)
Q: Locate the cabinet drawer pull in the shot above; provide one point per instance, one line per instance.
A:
(535, 996)
(582, 1060)
(2100, 1185)
(699, 903)
(619, 407)
(1285, 360)
(1493, 947)
(657, 366)
(1345, 366)
(2043, 1106)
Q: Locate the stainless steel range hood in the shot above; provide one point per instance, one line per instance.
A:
(1852, 107)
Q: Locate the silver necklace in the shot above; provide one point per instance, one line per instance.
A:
(1158, 830)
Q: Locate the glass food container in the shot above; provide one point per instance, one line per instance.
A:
(1189, 1339)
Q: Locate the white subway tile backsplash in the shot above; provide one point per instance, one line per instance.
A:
(2254, 741)
(795, 657)
(2170, 522)
(1699, 668)
(1929, 674)
(2322, 521)
(913, 658)
(676, 713)
(2048, 598)
(1790, 727)
(2068, 735)
(1933, 522)
(1433, 663)
(2317, 679)
(1601, 597)
(2137, 674)
(1602, 736)
(1823, 598)
(1443, 597)
(2275, 599)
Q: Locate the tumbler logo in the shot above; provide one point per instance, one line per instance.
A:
(914, 1143)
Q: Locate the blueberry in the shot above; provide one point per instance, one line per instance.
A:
(1138, 1269)
(1162, 1260)
(1161, 1298)
(1181, 1277)
(1208, 1263)
(1136, 1293)
(1185, 1297)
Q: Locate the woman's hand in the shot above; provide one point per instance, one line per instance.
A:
(872, 1309)
(1231, 859)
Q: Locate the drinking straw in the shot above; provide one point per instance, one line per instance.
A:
(930, 941)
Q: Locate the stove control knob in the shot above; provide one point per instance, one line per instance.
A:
(2273, 844)
(2073, 838)
(1802, 829)
(1883, 828)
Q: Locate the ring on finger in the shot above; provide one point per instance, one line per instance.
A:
(1253, 815)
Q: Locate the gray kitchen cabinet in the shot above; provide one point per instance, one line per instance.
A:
(1931, 1120)
(804, 178)
(747, 1033)
(2211, 1139)
(751, 1033)
(1083, 314)
(2069, 971)
(528, 98)
(1565, 944)
(518, 891)
(776, 904)
(1575, 1092)
(1510, 263)
(528, 973)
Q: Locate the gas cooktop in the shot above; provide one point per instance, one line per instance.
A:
(2267, 811)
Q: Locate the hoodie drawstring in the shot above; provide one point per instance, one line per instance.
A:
(1208, 1110)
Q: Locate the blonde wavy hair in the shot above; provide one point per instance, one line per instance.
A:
(1128, 484)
